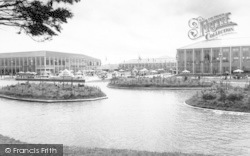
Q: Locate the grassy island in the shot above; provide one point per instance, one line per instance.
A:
(170, 82)
(50, 91)
(223, 97)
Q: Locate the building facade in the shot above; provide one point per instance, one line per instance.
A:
(166, 63)
(39, 61)
(109, 67)
(215, 56)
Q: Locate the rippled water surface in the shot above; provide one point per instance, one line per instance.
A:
(153, 120)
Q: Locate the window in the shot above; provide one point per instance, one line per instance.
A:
(59, 61)
(245, 49)
(51, 61)
(38, 61)
(42, 61)
(235, 54)
(225, 54)
(181, 56)
(245, 54)
(189, 55)
(25, 61)
(207, 57)
(47, 61)
(215, 55)
(21, 61)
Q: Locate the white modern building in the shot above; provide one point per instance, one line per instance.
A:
(216, 56)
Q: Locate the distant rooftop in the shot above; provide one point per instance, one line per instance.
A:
(232, 42)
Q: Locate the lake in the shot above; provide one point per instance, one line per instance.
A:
(151, 120)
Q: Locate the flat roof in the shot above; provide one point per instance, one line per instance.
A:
(215, 43)
(45, 53)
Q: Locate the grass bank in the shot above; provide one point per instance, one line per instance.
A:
(223, 97)
(50, 91)
(81, 151)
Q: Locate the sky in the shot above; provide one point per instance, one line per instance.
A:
(118, 30)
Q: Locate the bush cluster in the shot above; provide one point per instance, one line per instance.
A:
(207, 95)
(223, 96)
(235, 96)
(223, 92)
(158, 82)
(52, 91)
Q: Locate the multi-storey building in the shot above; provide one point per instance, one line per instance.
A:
(166, 63)
(39, 61)
(217, 56)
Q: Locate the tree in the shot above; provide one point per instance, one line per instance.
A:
(40, 19)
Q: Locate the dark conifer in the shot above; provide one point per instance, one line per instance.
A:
(40, 19)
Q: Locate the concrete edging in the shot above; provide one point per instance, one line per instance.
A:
(210, 109)
(51, 101)
(158, 88)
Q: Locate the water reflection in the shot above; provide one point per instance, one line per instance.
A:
(132, 119)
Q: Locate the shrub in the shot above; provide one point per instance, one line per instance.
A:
(222, 93)
(208, 95)
(223, 96)
(236, 96)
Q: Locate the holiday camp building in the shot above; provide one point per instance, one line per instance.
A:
(166, 63)
(39, 61)
(216, 56)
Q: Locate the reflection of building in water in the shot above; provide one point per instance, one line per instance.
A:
(166, 63)
(38, 61)
(215, 56)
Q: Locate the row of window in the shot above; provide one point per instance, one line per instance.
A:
(29, 61)
(214, 56)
